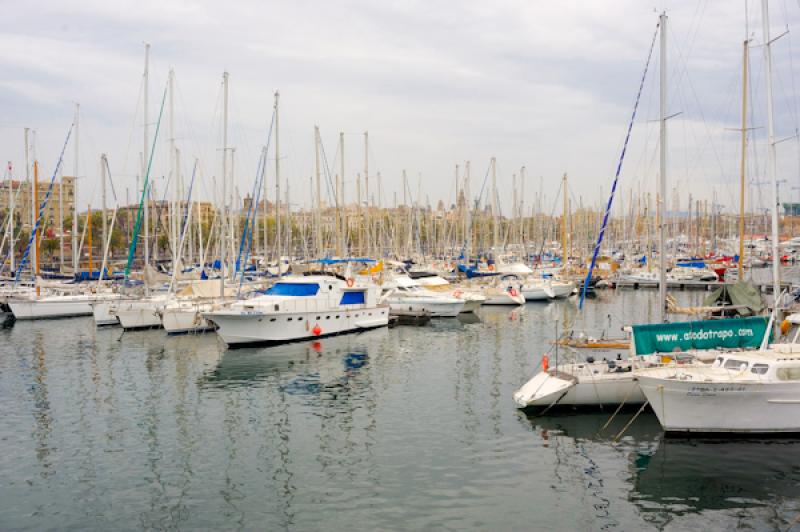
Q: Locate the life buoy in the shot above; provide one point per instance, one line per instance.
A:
(317, 330)
(513, 292)
(545, 362)
(350, 282)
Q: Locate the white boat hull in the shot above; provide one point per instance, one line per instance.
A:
(139, 315)
(185, 320)
(102, 312)
(436, 309)
(47, 308)
(253, 326)
(566, 388)
(732, 407)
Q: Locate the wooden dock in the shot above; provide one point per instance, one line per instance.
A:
(764, 287)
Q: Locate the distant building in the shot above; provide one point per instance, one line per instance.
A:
(21, 192)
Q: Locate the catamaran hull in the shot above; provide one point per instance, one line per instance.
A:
(723, 407)
(239, 328)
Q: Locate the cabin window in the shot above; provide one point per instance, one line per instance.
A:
(759, 369)
(732, 363)
(289, 319)
(272, 319)
(357, 297)
(788, 374)
(318, 318)
(293, 289)
(337, 316)
(300, 318)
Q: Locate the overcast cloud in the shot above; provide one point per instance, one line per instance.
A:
(548, 85)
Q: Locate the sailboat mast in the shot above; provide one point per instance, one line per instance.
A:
(34, 207)
(366, 194)
(771, 173)
(38, 238)
(564, 238)
(75, 251)
(662, 176)
(173, 170)
(743, 169)
(145, 157)
(277, 186)
(11, 217)
(318, 210)
(495, 228)
(103, 177)
(223, 211)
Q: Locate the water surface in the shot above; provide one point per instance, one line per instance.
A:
(405, 428)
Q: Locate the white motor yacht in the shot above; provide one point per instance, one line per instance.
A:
(405, 295)
(298, 307)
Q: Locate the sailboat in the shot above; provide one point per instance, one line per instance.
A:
(754, 391)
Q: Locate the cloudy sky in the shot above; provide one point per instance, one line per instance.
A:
(547, 85)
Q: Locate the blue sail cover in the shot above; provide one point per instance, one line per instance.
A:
(293, 289)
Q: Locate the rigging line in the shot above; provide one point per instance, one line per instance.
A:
(111, 181)
(619, 169)
(138, 225)
(42, 206)
(327, 173)
(133, 126)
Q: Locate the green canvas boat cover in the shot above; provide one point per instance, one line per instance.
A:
(742, 294)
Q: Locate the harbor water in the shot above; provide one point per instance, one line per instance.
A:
(410, 428)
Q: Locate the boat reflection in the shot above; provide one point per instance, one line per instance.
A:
(672, 476)
(595, 425)
(326, 370)
(695, 475)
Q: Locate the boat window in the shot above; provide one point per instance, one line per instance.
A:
(732, 363)
(759, 369)
(300, 318)
(272, 319)
(293, 289)
(717, 362)
(327, 317)
(337, 316)
(357, 297)
(289, 319)
(318, 318)
(788, 374)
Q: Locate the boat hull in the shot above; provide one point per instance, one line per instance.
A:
(435, 309)
(239, 328)
(36, 309)
(184, 320)
(688, 406)
(138, 315)
(564, 388)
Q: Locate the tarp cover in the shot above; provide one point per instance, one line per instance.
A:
(703, 334)
(741, 294)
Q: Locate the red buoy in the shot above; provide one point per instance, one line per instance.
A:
(316, 330)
